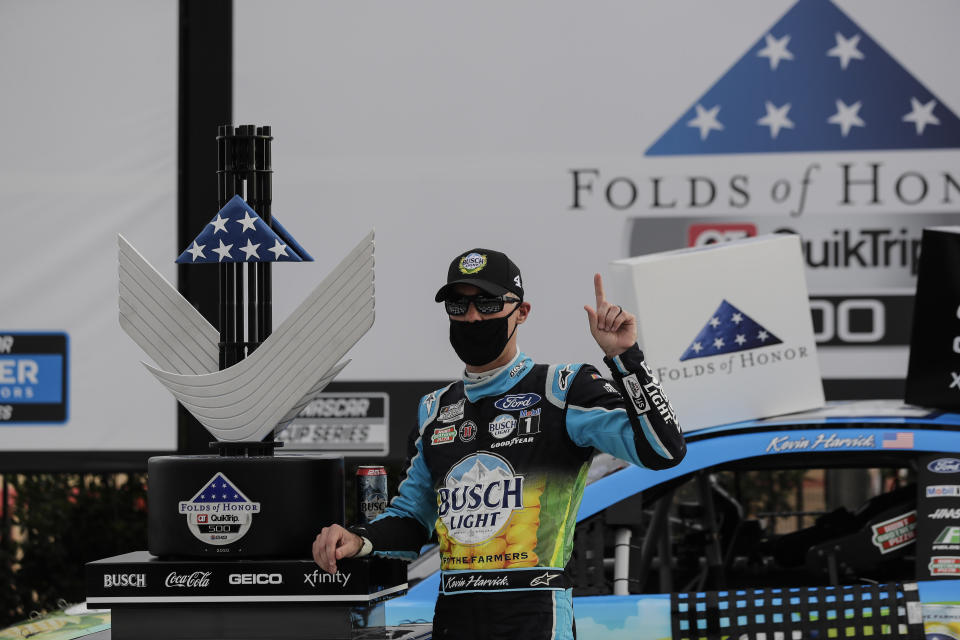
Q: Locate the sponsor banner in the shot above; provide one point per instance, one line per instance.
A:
(735, 341)
(346, 423)
(938, 509)
(34, 378)
(933, 379)
(183, 580)
(861, 274)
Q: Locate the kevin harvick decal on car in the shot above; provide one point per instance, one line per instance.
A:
(895, 533)
(444, 435)
(451, 412)
(516, 401)
(219, 514)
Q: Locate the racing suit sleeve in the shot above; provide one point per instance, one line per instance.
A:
(407, 523)
(633, 421)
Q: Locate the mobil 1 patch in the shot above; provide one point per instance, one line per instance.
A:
(34, 378)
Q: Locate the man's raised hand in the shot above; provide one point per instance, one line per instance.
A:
(613, 327)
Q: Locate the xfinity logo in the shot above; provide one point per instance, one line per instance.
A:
(255, 578)
(317, 578)
(944, 465)
(197, 579)
(137, 580)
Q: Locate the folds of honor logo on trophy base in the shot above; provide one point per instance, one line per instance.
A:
(230, 533)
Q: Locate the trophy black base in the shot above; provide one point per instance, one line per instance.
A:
(241, 507)
(154, 599)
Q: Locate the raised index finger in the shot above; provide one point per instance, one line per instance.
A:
(598, 289)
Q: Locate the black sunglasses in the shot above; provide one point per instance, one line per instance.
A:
(485, 303)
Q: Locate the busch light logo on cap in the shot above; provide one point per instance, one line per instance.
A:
(944, 465)
(502, 426)
(472, 262)
(517, 401)
(478, 496)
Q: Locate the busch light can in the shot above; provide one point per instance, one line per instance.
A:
(371, 492)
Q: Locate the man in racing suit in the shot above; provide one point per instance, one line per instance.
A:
(499, 461)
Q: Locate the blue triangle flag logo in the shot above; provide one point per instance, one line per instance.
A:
(238, 234)
(219, 489)
(729, 330)
(815, 81)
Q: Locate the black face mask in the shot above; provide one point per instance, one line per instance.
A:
(481, 342)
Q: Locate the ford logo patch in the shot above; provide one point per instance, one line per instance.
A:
(941, 465)
(517, 401)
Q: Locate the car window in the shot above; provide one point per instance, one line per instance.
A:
(741, 527)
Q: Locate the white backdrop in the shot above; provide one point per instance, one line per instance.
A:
(443, 127)
(447, 126)
(89, 151)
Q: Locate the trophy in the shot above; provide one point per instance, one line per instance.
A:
(230, 533)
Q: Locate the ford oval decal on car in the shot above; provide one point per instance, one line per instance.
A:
(940, 465)
(517, 401)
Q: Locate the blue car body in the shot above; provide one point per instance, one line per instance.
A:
(826, 436)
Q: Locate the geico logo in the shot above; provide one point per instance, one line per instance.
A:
(337, 408)
(255, 578)
(124, 580)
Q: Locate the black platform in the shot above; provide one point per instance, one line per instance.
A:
(159, 599)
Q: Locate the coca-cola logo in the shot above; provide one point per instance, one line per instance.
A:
(197, 579)
(944, 465)
(517, 401)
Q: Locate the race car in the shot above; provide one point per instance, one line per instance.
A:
(689, 552)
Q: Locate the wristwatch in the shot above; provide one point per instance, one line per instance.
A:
(361, 531)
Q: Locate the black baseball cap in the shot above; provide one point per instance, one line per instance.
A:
(491, 271)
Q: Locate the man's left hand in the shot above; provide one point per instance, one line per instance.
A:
(613, 327)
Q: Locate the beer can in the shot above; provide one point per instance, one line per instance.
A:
(371, 492)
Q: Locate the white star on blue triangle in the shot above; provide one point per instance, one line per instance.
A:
(219, 489)
(238, 225)
(728, 330)
(831, 61)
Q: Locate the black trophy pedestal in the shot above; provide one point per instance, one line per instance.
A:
(241, 507)
(154, 599)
